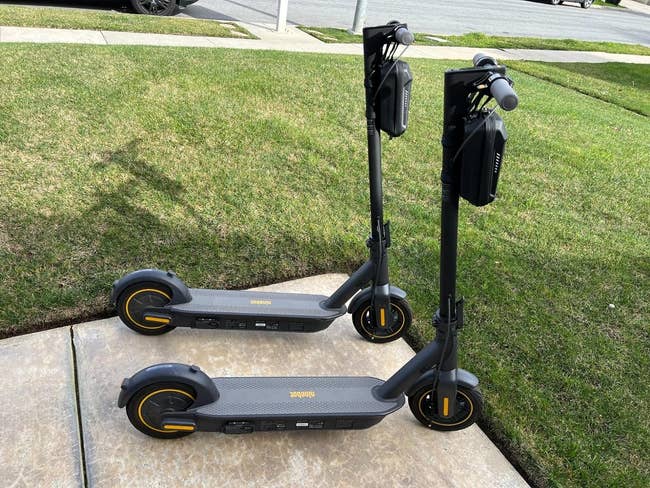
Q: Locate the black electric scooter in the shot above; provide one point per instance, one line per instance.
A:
(153, 302)
(171, 400)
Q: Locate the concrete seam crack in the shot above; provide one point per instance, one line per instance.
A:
(80, 433)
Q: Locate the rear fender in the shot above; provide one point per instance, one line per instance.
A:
(180, 292)
(192, 376)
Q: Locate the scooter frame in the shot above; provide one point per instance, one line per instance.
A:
(376, 309)
(457, 401)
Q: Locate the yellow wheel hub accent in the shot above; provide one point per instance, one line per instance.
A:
(430, 392)
(170, 390)
(136, 293)
(392, 305)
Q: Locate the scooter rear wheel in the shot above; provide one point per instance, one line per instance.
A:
(146, 408)
(469, 405)
(133, 301)
(394, 328)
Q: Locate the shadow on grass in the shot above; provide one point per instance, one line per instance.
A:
(79, 255)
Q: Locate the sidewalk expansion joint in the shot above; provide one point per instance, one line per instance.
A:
(75, 377)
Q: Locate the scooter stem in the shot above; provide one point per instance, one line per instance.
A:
(408, 374)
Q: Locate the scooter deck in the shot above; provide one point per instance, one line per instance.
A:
(262, 404)
(254, 310)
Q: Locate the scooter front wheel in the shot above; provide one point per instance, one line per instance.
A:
(147, 406)
(133, 302)
(393, 327)
(469, 405)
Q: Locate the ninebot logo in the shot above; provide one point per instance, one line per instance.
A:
(260, 302)
(302, 394)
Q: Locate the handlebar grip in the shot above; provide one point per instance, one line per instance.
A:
(404, 36)
(481, 59)
(503, 93)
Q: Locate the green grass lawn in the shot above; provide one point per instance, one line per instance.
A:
(604, 3)
(627, 85)
(478, 39)
(236, 168)
(112, 21)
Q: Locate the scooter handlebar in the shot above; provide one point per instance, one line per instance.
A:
(404, 36)
(503, 93)
(500, 88)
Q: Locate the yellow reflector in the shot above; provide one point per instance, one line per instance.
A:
(178, 427)
(160, 320)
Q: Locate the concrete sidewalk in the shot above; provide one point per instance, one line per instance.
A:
(636, 6)
(41, 431)
(297, 41)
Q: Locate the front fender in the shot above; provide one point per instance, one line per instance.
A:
(180, 292)
(203, 386)
(364, 295)
(463, 378)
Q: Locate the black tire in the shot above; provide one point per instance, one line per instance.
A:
(586, 3)
(146, 407)
(154, 7)
(402, 316)
(469, 403)
(135, 299)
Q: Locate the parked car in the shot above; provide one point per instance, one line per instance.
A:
(583, 3)
(159, 7)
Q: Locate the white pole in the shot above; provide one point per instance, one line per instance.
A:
(359, 17)
(281, 25)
